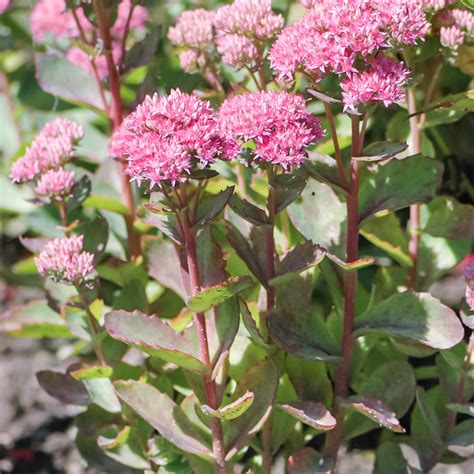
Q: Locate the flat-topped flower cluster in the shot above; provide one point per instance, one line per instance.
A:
(167, 137)
(51, 18)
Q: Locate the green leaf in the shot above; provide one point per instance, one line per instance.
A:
(308, 461)
(389, 460)
(232, 410)
(310, 379)
(248, 211)
(398, 184)
(300, 258)
(385, 232)
(379, 151)
(351, 266)
(448, 218)
(414, 316)
(288, 188)
(123, 445)
(35, 320)
(467, 409)
(394, 384)
(80, 192)
(92, 372)
(161, 412)
(132, 296)
(212, 207)
(462, 434)
(303, 334)
(251, 248)
(312, 414)
(163, 264)
(375, 410)
(262, 380)
(102, 394)
(63, 387)
(106, 204)
(153, 336)
(59, 77)
(320, 216)
(437, 256)
(215, 295)
(142, 52)
(322, 168)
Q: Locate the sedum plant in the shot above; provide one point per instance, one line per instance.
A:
(248, 276)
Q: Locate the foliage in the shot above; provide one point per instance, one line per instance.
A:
(286, 291)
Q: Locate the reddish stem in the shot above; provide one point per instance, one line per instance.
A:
(333, 439)
(210, 388)
(414, 221)
(270, 290)
(102, 14)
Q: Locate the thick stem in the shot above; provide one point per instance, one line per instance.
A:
(200, 321)
(414, 221)
(102, 14)
(270, 290)
(333, 439)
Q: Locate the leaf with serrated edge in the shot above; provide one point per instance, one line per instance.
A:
(164, 415)
(153, 336)
(248, 211)
(378, 151)
(350, 266)
(215, 295)
(233, 410)
(311, 413)
(375, 410)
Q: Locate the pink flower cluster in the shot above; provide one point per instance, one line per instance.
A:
(456, 26)
(436, 5)
(51, 148)
(336, 33)
(51, 17)
(382, 81)
(64, 261)
(194, 30)
(277, 122)
(468, 272)
(238, 30)
(166, 137)
(55, 185)
(242, 28)
(4, 4)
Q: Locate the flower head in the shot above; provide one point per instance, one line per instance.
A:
(236, 50)
(336, 33)
(468, 272)
(4, 4)
(251, 18)
(193, 29)
(166, 137)
(382, 81)
(277, 122)
(51, 17)
(51, 148)
(64, 261)
(55, 185)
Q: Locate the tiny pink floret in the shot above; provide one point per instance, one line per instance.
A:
(55, 185)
